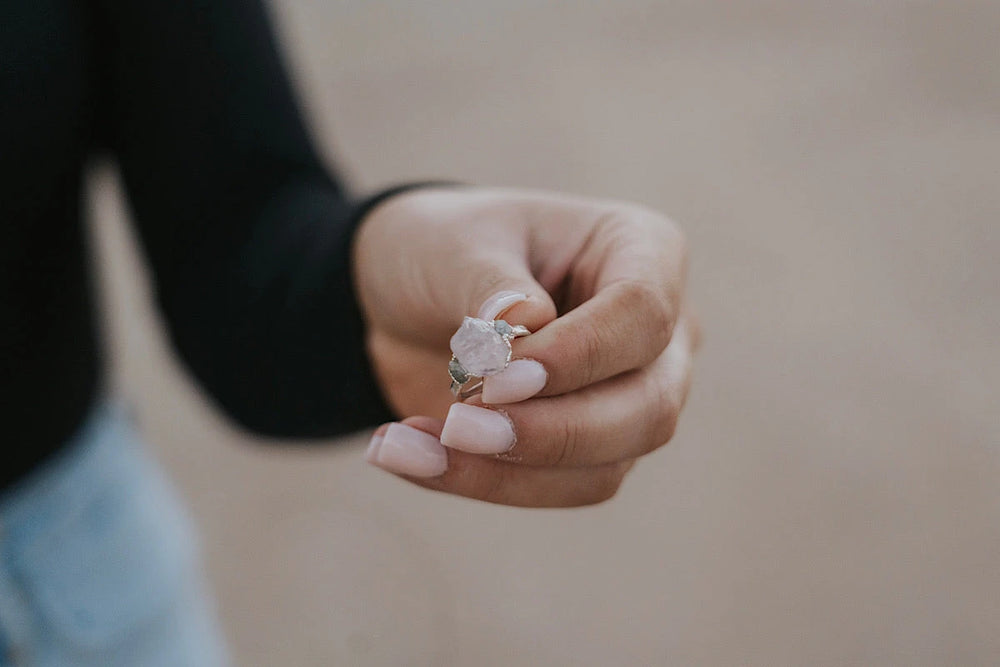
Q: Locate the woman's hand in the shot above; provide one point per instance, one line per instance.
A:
(600, 382)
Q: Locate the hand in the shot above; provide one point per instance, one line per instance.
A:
(602, 285)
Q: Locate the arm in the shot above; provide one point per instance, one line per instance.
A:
(250, 244)
(247, 235)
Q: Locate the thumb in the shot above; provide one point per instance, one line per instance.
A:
(503, 287)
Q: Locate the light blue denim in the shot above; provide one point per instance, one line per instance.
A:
(99, 563)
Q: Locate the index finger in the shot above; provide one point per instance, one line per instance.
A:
(626, 286)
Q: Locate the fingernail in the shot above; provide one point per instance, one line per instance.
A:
(523, 378)
(498, 303)
(409, 451)
(371, 454)
(477, 430)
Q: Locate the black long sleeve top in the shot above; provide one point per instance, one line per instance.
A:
(247, 235)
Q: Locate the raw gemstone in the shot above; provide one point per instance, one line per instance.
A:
(503, 328)
(479, 348)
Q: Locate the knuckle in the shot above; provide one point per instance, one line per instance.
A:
(634, 212)
(567, 443)
(648, 217)
(665, 424)
(618, 214)
(652, 305)
(608, 491)
(637, 295)
(604, 487)
(664, 413)
(595, 353)
(654, 301)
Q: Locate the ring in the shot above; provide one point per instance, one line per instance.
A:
(480, 348)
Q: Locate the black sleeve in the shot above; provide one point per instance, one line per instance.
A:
(248, 235)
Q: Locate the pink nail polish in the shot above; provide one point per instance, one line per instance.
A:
(371, 454)
(409, 451)
(523, 378)
(498, 303)
(477, 430)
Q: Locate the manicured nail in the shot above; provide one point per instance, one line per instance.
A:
(498, 303)
(523, 378)
(371, 454)
(409, 451)
(477, 430)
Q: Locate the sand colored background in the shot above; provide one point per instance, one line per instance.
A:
(832, 496)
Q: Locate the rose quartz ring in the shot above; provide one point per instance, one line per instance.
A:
(481, 347)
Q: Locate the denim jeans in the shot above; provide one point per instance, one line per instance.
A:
(99, 563)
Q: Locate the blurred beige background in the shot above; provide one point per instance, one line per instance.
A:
(833, 494)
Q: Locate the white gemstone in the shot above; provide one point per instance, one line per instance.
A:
(479, 348)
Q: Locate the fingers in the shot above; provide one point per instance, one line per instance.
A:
(497, 481)
(618, 419)
(625, 292)
(486, 258)
(426, 258)
(624, 327)
(559, 451)
(502, 284)
(589, 391)
(488, 478)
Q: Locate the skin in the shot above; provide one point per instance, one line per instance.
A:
(605, 282)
